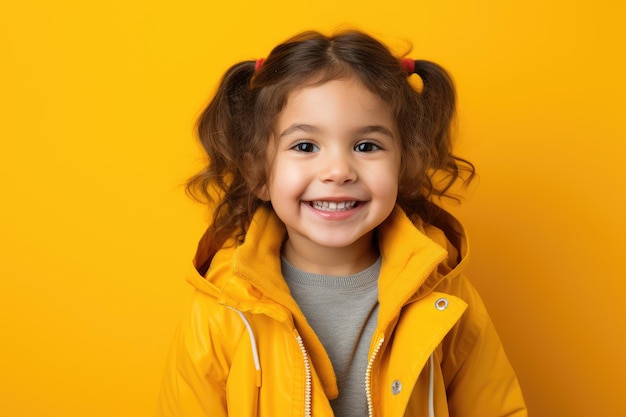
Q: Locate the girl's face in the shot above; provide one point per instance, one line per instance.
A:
(334, 176)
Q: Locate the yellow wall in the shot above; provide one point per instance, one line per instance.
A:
(98, 102)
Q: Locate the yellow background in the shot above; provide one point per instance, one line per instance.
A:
(98, 104)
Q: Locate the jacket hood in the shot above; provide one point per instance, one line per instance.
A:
(431, 251)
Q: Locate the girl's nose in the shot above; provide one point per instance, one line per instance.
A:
(337, 169)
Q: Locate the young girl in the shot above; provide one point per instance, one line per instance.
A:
(328, 282)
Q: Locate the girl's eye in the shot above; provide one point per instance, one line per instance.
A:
(305, 147)
(366, 147)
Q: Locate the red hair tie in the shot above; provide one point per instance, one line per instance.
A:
(259, 63)
(408, 65)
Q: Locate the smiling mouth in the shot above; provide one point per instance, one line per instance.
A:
(333, 205)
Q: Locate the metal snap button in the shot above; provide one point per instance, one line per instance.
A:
(441, 304)
(396, 387)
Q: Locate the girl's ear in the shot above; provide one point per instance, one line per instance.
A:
(264, 193)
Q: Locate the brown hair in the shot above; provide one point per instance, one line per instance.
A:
(238, 123)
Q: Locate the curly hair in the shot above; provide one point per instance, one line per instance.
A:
(236, 127)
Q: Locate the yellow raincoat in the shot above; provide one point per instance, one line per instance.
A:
(245, 348)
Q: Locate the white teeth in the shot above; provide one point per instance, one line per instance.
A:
(333, 205)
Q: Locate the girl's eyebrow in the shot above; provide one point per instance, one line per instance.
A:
(312, 129)
(376, 129)
(298, 127)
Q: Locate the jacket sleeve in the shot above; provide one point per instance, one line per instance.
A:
(480, 379)
(194, 382)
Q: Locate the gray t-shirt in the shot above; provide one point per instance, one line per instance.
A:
(343, 312)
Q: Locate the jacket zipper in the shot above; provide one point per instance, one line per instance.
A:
(368, 378)
(307, 371)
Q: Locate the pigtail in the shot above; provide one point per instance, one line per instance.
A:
(218, 125)
(439, 98)
(223, 129)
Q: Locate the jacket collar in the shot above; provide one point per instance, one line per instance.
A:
(409, 269)
(416, 257)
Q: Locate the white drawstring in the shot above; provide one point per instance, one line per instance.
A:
(431, 387)
(255, 351)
